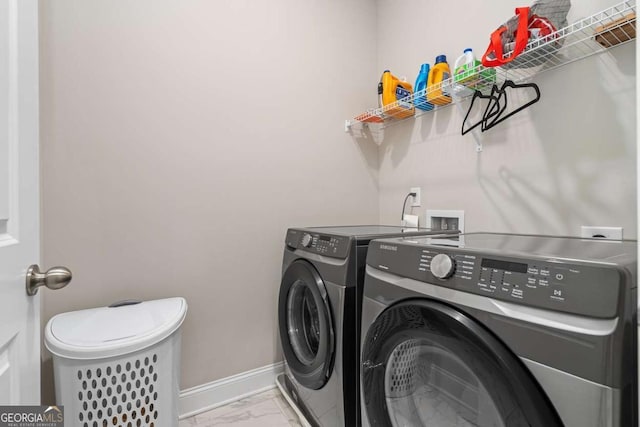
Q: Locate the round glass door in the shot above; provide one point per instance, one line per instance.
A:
(427, 364)
(305, 323)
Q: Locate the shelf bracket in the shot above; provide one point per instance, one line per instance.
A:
(474, 132)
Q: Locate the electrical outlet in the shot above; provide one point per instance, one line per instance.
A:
(608, 233)
(416, 200)
(444, 220)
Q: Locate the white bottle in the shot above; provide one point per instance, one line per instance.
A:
(465, 62)
(463, 72)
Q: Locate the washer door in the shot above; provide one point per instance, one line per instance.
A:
(306, 327)
(428, 364)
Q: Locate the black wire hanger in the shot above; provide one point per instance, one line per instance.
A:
(495, 110)
(477, 94)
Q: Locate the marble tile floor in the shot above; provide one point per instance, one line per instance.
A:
(266, 409)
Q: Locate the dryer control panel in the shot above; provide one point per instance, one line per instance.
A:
(321, 244)
(578, 288)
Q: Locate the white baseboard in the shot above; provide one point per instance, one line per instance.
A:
(217, 393)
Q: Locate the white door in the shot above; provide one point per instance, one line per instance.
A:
(19, 202)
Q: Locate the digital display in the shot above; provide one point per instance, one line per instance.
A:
(516, 267)
(324, 238)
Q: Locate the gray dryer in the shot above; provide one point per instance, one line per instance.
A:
(500, 330)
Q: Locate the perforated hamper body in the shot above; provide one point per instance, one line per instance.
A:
(137, 386)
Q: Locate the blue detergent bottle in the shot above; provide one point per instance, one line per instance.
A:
(421, 83)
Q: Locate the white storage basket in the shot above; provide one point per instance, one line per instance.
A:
(118, 365)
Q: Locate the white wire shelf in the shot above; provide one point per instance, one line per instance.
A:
(589, 36)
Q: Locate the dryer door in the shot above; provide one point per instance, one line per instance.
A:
(306, 326)
(428, 364)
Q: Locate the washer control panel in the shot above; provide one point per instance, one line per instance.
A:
(321, 244)
(580, 288)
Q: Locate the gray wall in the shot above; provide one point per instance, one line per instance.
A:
(181, 139)
(567, 161)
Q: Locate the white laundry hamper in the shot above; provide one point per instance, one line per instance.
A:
(118, 365)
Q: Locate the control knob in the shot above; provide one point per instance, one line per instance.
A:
(307, 239)
(442, 266)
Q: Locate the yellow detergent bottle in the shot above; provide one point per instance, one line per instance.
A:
(392, 91)
(438, 90)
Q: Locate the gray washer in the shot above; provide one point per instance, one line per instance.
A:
(519, 330)
(319, 312)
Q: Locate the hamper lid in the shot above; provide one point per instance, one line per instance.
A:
(115, 330)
